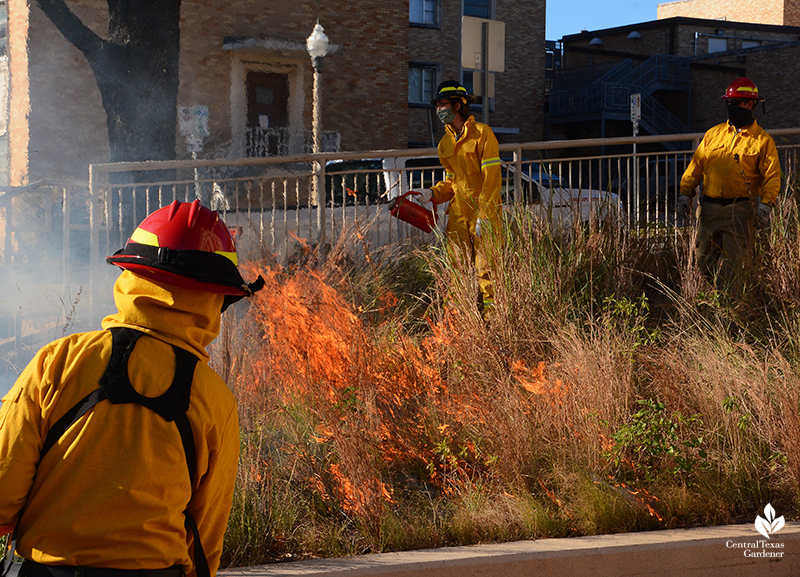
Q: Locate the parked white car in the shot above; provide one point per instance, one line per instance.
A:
(542, 192)
(561, 207)
(565, 206)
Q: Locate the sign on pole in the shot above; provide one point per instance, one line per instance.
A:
(636, 107)
(636, 114)
(478, 84)
(483, 47)
(472, 44)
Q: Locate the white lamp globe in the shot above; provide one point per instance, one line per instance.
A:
(317, 43)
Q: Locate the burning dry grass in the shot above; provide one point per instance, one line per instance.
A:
(611, 391)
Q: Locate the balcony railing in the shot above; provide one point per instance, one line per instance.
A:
(263, 142)
(611, 92)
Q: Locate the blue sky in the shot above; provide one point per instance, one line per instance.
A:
(566, 17)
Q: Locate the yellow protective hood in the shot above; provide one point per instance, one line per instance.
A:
(185, 318)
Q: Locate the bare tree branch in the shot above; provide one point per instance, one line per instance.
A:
(71, 27)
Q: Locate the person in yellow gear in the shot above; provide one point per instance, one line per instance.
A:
(738, 164)
(470, 155)
(119, 447)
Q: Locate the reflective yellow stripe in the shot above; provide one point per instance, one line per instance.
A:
(449, 174)
(490, 162)
(456, 88)
(142, 236)
(231, 256)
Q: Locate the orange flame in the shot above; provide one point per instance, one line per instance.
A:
(373, 405)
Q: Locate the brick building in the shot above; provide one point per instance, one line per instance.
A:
(681, 67)
(246, 64)
(434, 52)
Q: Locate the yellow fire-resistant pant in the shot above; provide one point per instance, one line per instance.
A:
(461, 235)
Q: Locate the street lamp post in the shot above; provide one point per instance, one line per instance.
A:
(317, 46)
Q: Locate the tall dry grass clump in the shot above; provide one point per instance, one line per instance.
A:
(612, 390)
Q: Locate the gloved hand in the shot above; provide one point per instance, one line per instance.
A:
(423, 195)
(763, 214)
(683, 209)
(480, 226)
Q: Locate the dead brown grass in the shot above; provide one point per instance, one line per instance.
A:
(375, 418)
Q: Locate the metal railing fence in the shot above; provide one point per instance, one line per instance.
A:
(44, 242)
(282, 207)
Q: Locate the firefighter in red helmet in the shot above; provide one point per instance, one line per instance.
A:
(470, 155)
(737, 163)
(119, 447)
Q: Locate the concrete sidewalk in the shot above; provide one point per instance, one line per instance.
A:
(728, 551)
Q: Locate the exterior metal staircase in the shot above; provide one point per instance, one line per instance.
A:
(608, 93)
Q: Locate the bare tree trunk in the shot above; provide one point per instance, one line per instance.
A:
(136, 70)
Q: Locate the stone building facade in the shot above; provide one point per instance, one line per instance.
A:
(779, 12)
(246, 65)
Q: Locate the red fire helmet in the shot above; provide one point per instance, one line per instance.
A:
(186, 245)
(742, 87)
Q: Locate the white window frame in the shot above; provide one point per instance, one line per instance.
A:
(423, 12)
(428, 73)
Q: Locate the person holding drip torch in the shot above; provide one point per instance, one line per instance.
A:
(738, 164)
(470, 155)
(119, 447)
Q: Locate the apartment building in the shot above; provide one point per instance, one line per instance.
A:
(245, 70)
(680, 66)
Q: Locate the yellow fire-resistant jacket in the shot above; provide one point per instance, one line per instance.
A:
(472, 178)
(735, 165)
(112, 491)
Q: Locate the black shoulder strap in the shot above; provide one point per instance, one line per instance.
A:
(171, 406)
(60, 426)
(200, 559)
(115, 385)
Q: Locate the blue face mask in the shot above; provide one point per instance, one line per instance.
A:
(446, 115)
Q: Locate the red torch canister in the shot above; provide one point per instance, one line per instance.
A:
(414, 214)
